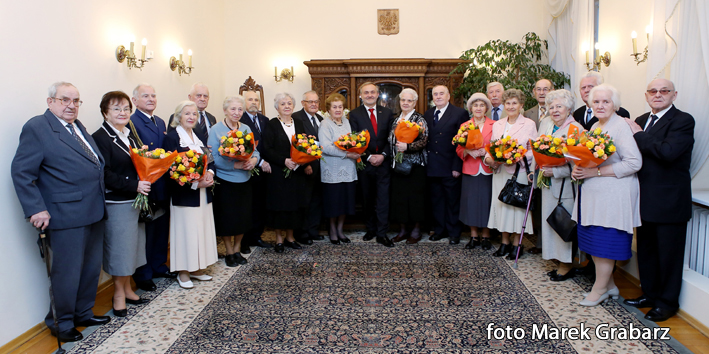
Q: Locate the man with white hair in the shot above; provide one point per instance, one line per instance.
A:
(199, 94)
(584, 114)
(494, 94)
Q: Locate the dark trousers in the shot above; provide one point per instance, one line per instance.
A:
(445, 202)
(374, 182)
(76, 256)
(313, 211)
(258, 211)
(157, 236)
(660, 261)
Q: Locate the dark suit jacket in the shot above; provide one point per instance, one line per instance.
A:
(580, 116)
(263, 123)
(310, 130)
(152, 135)
(52, 172)
(378, 143)
(442, 158)
(201, 134)
(283, 194)
(120, 174)
(665, 182)
(184, 195)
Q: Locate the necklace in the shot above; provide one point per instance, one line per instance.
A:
(230, 128)
(286, 124)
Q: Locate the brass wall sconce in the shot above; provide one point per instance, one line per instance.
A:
(286, 74)
(604, 59)
(637, 56)
(180, 65)
(133, 62)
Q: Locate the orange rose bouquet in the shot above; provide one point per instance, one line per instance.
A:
(150, 165)
(304, 149)
(506, 150)
(548, 151)
(406, 132)
(589, 149)
(188, 167)
(354, 142)
(238, 146)
(469, 136)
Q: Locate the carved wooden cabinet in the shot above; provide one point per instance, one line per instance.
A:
(346, 76)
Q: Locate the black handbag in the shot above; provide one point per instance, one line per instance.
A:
(560, 219)
(403, 167)
(515, 193)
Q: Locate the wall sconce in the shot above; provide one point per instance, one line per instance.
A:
(133, 62)
(605, 59)
(180, 65)
(286, 74)
(636, 55)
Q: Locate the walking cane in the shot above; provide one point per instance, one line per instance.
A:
(44, 252)
(524, 224)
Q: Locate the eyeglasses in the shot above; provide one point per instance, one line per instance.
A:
(119, 110)
(664, 92)
(66, 101)
(539, 89)
(312, 102)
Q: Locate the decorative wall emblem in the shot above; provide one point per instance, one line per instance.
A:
(388, 21)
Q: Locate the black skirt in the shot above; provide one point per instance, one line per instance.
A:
(408, 196)
(475, 199)
(232, 207)
(339, 198)
(284, 220)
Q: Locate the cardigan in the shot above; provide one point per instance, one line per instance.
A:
(225, 165)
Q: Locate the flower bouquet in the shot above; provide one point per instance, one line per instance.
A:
(548, 151)
(188, 167)
(238, 146)
(150, 165)
(589, 149)
(406, 132)
(469, 136)
(354, 142)
(304, 149)
(506, 150)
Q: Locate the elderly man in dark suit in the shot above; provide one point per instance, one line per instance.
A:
(584, 114)
(199, 94)
(311, 121)
(258, 124)
(58, 176)
(665, 137)
(151, 131)
(494, 94)
(375, 178)
(444, 165)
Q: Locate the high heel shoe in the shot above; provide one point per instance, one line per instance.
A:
(119, 313)
(473, 242)
(612, 293)
(504, 249)
(513, 253)
(589, 303)
(335, 241)
(486, 244)
(344, 239)
(279, 248)
(140, 301)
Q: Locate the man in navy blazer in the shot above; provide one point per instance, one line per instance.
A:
(374, 180)
(58, 176)
(151, 131)
(444, 165)
(257, 122)
(665, 137)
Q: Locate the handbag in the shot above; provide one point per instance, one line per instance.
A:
(154, 211)
(560, 219)
(515, 193)
(403, 167)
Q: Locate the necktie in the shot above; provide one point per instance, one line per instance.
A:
(543, 111)
(203, 121)
(589, 115)
(152, 118)
(435, 117)
(88, 151)
(255, 120)
(495, 115)
(653, 118)
(373, 118)
(315, 123)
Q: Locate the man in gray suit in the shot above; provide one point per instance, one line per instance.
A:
(494, 94)
(58, 176)
(541, 88)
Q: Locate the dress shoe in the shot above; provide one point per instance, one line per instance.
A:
(504, 250)
(140, 301)
(146, 285)
(513, 253)
(279, 248)
(93, 321)
(413, 240)
(317, 237)
(552, 273)
(294, 245)
(201, 277)
(589, 303)
(230, 260)
(368, 236)
(561, 277)
(486, 244)
(70, 335)
(658, 314)
(344, 239)
(335, 241)
(385, 241)
(454, 241)
(535, 250)
(305, 241)
(168, 275)
(245, 249)
(120, 313)
(437, 237)
(641, 302)
(262, 244)
(185, 284)
(239, 258)
(472, 244)
(613, 293)
(401, 236)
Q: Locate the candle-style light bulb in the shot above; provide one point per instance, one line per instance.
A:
(144, 42)
(189, 57)
(181, 52)
(648, 29)
(634, 36)
(584, 47)
(275, 71)
(597, 46)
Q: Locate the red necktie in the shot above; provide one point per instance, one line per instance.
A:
(373, 119)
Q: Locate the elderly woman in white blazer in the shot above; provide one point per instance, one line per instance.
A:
(506, 218)
(558, 123)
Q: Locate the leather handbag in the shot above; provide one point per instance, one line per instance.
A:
(560, 219)
(403, 167)
(515, 193)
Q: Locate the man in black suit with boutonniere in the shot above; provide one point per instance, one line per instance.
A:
(665, 137)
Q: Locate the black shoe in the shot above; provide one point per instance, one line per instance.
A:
(262, 244)
(245, 249)
(120, 313)
(140, 301)
(535, 250)
(437, 237)
(317, 237)
(553, 273)
(472, 243)
(238, 258)
(504, 249)
(513, 253)
(561, 277)
(641, 302)
(486, 244)
(146, 285)
(93, 321)
(454, 241)
(168, 275)
(344, 239)
(294, 245)
(385, 241)
(335, 241)
(658, 314)
(305, 241)
(279, 248)
(230, 260)
(70, 335)
(368, 236)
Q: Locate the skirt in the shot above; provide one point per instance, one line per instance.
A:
(339, 198)
(284, 220)
(475, 199)
(124, 240)
(232, 207)
(407, 203)
(193, 245)
(604, 242)
(503, 217)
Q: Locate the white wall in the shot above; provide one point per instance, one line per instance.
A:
(75, 41)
